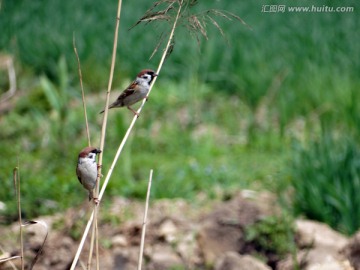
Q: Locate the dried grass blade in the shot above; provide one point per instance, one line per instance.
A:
(143, 231)
(153, 16)
(161, 40)
(170, 50)
(195, 26)
(216, 25)
(82, 90)
(9, 259)
(156, 17)
(219, 13)
(228, 15)
(199, 26)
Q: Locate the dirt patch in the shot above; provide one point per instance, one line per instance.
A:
(180, 234)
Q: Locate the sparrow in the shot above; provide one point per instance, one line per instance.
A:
(87, 169)
(136, 91)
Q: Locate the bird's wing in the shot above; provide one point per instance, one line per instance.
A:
(119, 102)
(78, 174)
(128, 91)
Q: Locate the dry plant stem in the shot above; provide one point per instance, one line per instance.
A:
(89, 141)
(145, 221)
(91, 249)
(17, 189)
(103, 133)
(9, 259)
(102, 143)
(122, 144)
(82, 91)
(82, 242)
(97, 239)
(94, 237)
(113, 60)
(163, 57)
(87, 228)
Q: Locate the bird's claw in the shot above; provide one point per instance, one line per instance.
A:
(96, 201)
(134, 112)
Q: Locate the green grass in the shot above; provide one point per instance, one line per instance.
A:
(326, 178)
(272, 237)
(192, 147)
(223, 114)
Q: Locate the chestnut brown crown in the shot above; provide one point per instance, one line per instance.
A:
(87, 150)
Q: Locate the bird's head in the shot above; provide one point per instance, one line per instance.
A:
(89, 153)
(146, 75)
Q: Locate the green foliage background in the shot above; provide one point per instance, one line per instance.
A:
(224, 113)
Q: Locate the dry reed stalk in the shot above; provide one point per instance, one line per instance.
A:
(91, 249)
(94, 237)
(16, 176)
(103, 134)
(82, 91)
(126, 136)
(102, 143)
(145, 221)
(97, 240)
(9, 259)
(89, 144)
(103, 131)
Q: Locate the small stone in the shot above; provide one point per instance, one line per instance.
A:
(168, 230)
(312, 233)
(163, 257)
(119, 240)
(234, 261)
(215, 239)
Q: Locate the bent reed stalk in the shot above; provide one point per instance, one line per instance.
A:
(126, 136)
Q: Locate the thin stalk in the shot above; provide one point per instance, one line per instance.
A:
(112, 68)
(145, 222)
(9, 259)
(102, 143)
(91, 249)
(82, 242)
(97, 239)
(121, 146)
(82, 91)
(94, 238)
(16, 176)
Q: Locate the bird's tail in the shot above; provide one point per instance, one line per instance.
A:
(112, 105)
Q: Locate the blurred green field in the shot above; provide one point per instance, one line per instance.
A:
(223, 115)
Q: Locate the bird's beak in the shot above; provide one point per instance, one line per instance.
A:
(155, 74)
(98, 151)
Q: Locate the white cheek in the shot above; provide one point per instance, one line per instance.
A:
(92, 157)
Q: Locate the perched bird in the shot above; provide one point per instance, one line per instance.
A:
(87, 169)
(136, 91)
